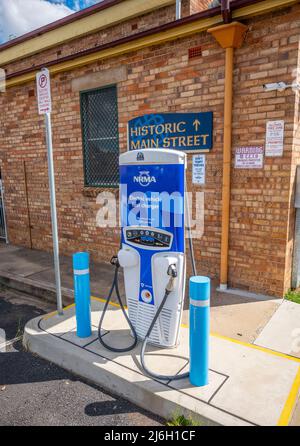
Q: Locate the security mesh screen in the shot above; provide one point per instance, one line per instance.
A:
(99, 112)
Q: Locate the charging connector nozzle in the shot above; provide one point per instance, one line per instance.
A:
(172, 272)
(115, 261)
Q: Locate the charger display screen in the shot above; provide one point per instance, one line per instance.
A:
(149, 238)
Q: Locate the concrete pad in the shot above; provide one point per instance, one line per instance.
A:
(248, 385)
(162, 361)
(206, 393)
(149, 394)
(120, 337)
(65, 326)
(240, 318)
(296, 416)
(258, 385)
(72, 337)
(110, 322)
(59, 325)
(239, 315)
(282, 332)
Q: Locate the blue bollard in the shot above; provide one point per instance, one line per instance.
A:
(82, 293)
(199, 330)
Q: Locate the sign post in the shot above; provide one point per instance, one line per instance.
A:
(45, 108)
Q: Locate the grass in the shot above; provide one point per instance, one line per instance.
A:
(293, 296)
(20, 330)
(180, 420)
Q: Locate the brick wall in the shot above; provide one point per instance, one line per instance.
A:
(164, 78)
(261, 213)
(199, 5)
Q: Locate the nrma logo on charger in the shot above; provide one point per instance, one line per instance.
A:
(144, 178)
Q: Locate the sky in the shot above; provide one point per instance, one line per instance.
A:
(18, 17)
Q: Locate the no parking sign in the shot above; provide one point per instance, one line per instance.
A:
(44, 91)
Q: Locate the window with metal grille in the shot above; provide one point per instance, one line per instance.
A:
(99, 114)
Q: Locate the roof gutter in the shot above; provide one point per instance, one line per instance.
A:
(61, 22)
(79, 25)
(170, 31)
(213, 12)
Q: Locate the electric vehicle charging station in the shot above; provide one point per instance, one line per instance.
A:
(152, 197)
(152, 251)
(152, 254)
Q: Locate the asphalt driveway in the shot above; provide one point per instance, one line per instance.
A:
(36, 392)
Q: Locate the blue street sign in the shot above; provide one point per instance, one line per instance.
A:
(180, 131)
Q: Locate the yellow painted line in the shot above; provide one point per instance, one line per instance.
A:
(257, 347)
(113, 304)
(48, 316)
(54, 313)
(69, 306)
(290, 403)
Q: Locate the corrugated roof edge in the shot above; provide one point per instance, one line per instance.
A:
(93, 9)
(205, 14)
(61, 22)
(235, 4)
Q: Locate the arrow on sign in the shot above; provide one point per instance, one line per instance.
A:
(196, 124)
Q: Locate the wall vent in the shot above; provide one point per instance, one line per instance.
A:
(195, 52)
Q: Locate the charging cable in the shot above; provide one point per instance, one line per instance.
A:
(115, 286)
(172, 272)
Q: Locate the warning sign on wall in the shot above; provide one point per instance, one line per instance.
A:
(274, 138)
(199, 169)
(251, 157)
